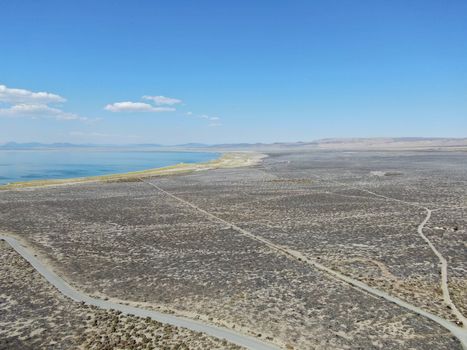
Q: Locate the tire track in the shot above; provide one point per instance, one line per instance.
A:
(458, 332)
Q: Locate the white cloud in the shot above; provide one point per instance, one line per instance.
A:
(214, 121)
(38, 111)
(17, 103)
(163, 100)
(204, 116)
(159, 104)
(135, 107)
(9, 95)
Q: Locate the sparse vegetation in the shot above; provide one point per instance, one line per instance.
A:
(128, 241)
(36, 316)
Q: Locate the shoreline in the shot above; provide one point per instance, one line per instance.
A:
(234, 159)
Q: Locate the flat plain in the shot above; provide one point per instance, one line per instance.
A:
(214, 245)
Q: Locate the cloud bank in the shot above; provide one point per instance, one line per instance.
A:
(162, 100)
(35, 105)
(9, 95)
(159, 104)
(38, 111)
(204, 116)
(128, 106)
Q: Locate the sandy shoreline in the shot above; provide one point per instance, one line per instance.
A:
(226, 160)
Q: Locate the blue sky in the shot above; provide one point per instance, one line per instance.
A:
(231, 71)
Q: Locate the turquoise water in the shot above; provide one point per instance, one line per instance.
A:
(27, 165)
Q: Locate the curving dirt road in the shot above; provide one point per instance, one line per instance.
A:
(462, 320)
(459, 332)
(444, 272)
(218, 332)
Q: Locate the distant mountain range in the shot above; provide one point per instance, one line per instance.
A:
(330, 143)
(57, 145)
(393, 143)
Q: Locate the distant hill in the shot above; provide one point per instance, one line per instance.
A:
(392, 143)
(376, 143)
(35, 145)
(64, 145)
(193, 145)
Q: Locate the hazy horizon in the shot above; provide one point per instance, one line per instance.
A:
(156, 144)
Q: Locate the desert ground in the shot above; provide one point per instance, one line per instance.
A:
(37, 316)
(257, 248)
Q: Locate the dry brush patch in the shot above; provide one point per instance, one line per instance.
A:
(36, 316)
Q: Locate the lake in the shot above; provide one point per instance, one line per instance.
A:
(27, 165)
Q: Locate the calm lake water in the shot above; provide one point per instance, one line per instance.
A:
(27, 165)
